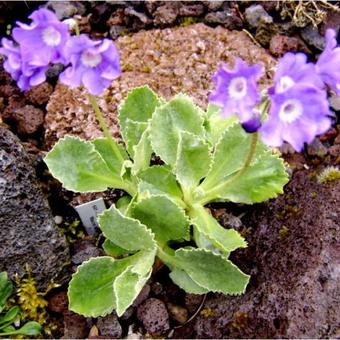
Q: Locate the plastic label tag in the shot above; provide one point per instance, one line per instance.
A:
(88, 213)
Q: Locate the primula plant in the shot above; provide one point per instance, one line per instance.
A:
(214, 155)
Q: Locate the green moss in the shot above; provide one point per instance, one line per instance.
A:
(283, 233)
(186, 21)
(329, 174)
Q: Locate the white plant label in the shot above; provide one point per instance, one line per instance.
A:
(88, 213)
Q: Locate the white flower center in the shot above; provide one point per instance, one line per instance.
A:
(51, 37)
(338, 86)
(90, 59)
(284, 84)
(238, 88)
(290, 110)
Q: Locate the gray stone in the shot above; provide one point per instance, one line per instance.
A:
(28, 233)
(110, 327)
(66, 9)
(311, 36)
(255, 14)
(228, 18)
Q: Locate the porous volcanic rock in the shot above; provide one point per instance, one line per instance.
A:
(293, 259)
(180, 59)
(28, 233)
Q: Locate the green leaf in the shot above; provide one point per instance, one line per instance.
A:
(261, 181)
(215, 124)
(138, 107)
(10, 316)
(165, 218)
(127, 287)
(114, 162)
(193, 160)
(113, 250)
(123, 203)
(133, 134)
(159, 179)
(91, 288)
(31, 328)
(230, 154)
(226, 240)
(183, 280)
(80, 168)
(211, 271)
(125, 232)
(6, 289)
(179, 114)
(142, 153)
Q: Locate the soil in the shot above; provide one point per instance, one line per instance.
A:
(293, 240)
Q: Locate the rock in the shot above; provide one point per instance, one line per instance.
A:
(295, 291)
(110, 327)
(54, 71)
(254, 14)
(39, 94)
(28, 119)
(334, 102)
(334, 150)
(311, 36)
(28, 233)
(84, 250)
(143, 18)
(142, 296)
(178, 313)
(66, 9)
(171, 67)
(280, 44)
(154, 316)
(191, 10)
(316, 148)
(58, 302)
(116, 31)
(228, 18)
(75, 326)
(213, 5)
(193, 301)
(156, 288)
(166, 14)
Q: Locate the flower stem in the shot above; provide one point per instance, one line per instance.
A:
(103, 126)
(211, 194)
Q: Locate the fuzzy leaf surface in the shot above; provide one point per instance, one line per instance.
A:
(193, 159)
(142, 153)
(113, 250)
(183, 280)
(124, 231)
(226, 240)
(211, 271)
(6, 289)
(80, 167)
(159, 179)
(179, 114)
(133, 134)
(164, 217)
(91, 288)
(138, 107)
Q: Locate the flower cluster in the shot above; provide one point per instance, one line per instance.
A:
(93, 64)
(299, 108)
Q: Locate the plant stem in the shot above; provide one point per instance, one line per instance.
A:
(104, 127)
(210, 194)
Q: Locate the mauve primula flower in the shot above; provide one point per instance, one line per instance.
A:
(328, 64)
(236, 90)
(94, 64)
(296, 116)
(42, 41)
(23, 73)
(292, 69)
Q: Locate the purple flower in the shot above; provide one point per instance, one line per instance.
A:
(94, 64)
(43, 40)
(296, 116)
(23, 73)
(292, 69)
(328, 64)
(236, 89)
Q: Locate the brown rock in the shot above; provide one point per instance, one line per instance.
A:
(334, 150)
(166, 14)
(172, 69)
(75, 326)
(154, 316)
(228, 18)
(280, 44)
(142, 296)
(58, 302)
(191, 10)
(28, 119)
(40, 94)
(110, 327)
(294, 293)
